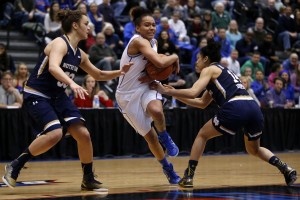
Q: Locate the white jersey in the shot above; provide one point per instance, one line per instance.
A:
(129, 82)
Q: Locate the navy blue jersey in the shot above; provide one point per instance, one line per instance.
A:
(226, 86)
(41, 82)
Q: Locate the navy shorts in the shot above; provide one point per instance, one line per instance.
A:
(50, 114)
(240, 115)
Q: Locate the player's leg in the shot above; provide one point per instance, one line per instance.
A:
(155, 109)
(157, 150)
(207, 132)
(47, 124)
(85, 150)
(254, 148)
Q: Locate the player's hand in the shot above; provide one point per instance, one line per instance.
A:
(78, 90)
(126, 68)
(156, 85)
(145, 79)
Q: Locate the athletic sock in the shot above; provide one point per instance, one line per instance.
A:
(274, 160)
(164, 162)
(191, 168)
(22, 159)
(87, 168)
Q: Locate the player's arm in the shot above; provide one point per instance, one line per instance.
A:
(98, 74)
(145, 48)
(190, 93)
(202, 102)
(56, 50)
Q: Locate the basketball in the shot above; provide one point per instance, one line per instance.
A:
(159, 73)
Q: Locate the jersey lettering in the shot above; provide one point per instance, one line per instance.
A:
(61, 84)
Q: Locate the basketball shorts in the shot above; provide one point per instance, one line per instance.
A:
(240, 115)
(50, 114)
(133, 106)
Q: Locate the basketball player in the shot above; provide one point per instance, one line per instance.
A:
(138, 104)
(51, 110)
(237, 110)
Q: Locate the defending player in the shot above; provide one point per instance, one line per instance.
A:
(237, 110)
(138, 104)
(52, 112)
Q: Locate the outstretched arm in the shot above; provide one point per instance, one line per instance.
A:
(202, 102)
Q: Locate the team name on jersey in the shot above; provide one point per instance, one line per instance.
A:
(71, 67)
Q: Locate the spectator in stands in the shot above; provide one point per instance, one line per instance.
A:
(246, 81)
(246, 46)
(164, 25)
(207, 20)
(193, 76)
(267, 49)
(170, 7)
(220, 17)
(165, 45)
(41, 9)
(112, 39)
(178, 26)
(191, 10)
(118, 6)
(291, 63)
(276, 68)
(260, 86)
(9, 95)
(275, 97)
(102, 56)
(224, 62)
(225, 43)
(91, 40)
(177, 81)
(270, 15)
(23, 12)
(21, 76)
(157, 16)
(6, 60)
(196, 30)
(93, 88)
(254, 63)
(259, 32)
(233, 63)
(248, 73)
(66, 4)
(287, 29)
(7, 11)
(95, 17)
(295, 81)
(52, 24)
(108, 14)
(233, 33)
(202, 43)
(288, 88)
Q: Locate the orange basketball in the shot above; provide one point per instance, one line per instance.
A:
(159, 73)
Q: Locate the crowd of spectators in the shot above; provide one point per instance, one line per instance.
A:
(260, 39)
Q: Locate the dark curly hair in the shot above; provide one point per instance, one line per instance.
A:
(137, 13)
(212, 51)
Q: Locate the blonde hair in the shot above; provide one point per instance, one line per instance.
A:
(95, 90)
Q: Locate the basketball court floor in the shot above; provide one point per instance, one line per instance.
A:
(218, 177)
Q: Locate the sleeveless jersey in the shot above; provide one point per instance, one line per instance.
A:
(42, 83)
(129, 82)
(225, 87)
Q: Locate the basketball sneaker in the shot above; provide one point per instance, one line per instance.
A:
(171, 175)
(290, 174)
(90, 183)
(167, 142)
(11, 174)
(186, 181)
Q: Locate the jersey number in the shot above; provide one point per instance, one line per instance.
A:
(61, 84)
(234, 76)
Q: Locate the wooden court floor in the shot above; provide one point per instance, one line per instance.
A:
(57, 179)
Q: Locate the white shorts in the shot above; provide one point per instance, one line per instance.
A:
(133, 106)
